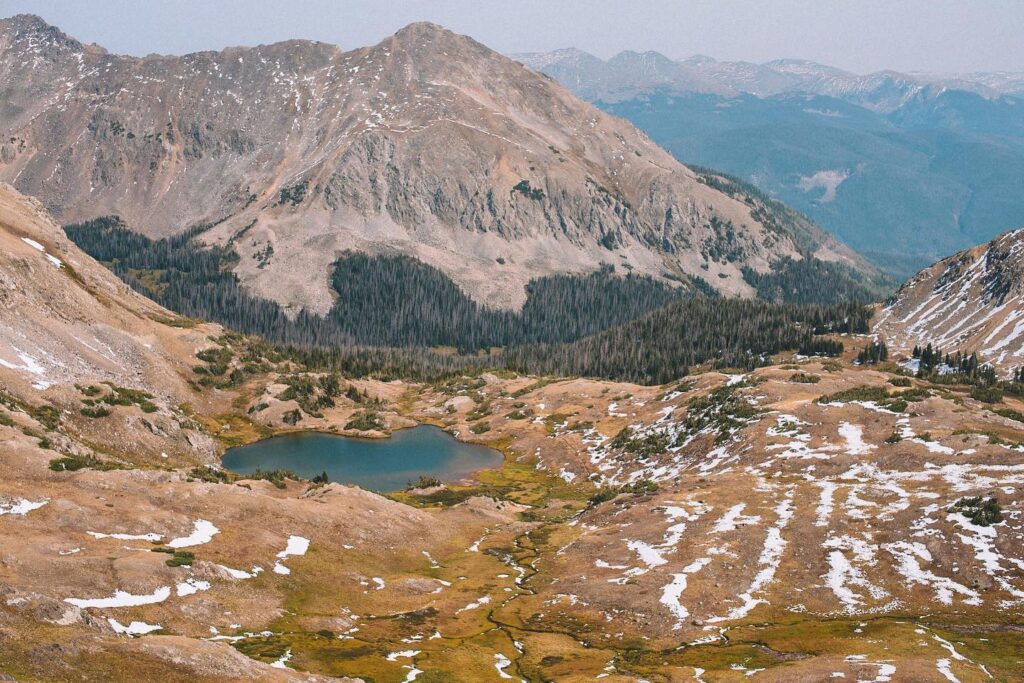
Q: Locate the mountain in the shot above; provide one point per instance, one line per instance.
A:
(905, 189)
(972, 301)
(427, 144)
(905, 168)
(624, 76)
(620, 78)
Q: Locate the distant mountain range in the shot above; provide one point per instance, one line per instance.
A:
(906, 168)
(427, 145)
(630, 73)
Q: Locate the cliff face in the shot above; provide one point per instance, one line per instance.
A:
(973, 300)
(428, 144)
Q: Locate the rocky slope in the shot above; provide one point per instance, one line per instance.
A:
(68, 319)
(972, 301)
(69, 326)
(427, 143)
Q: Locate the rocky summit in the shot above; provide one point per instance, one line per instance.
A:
(427, 144)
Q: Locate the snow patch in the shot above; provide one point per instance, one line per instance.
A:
(122, 599)
(202, 532)
(22, 507)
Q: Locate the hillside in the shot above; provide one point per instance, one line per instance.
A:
(68, 319)
(971, 301)
(906, 169)
(427, 144)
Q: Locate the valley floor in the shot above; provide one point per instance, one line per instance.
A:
(725, 528)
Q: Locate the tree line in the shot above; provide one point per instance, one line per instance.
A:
(393, 311)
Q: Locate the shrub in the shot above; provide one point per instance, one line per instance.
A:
(212, 475)
(602, 496)
(479, 412)
(987, 394)
(73, 463)
(480, 428)
(982, 513)
(365, 421)
(95, 411)
(804, 378)
(423, 482)
(637, 488)
(181, 558)
(640, 487)
(275, 477)
(864, 393)
(48, 416)
(1010, 414)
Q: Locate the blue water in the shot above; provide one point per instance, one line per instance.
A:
(375, 464)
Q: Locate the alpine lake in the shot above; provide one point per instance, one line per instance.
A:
(380, 465)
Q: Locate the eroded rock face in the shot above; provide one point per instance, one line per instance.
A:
(428, 144)
(970, 301)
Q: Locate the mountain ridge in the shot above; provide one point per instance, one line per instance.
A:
(971, 301)
(427, 144)
(701, 73)
(904, 168)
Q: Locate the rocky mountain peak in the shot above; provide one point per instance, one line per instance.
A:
(32, 33)
(427, 144)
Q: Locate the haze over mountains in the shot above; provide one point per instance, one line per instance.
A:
(906, 168)
(630, 73)
(427, 144)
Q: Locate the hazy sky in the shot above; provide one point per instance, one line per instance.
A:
(860, 35)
